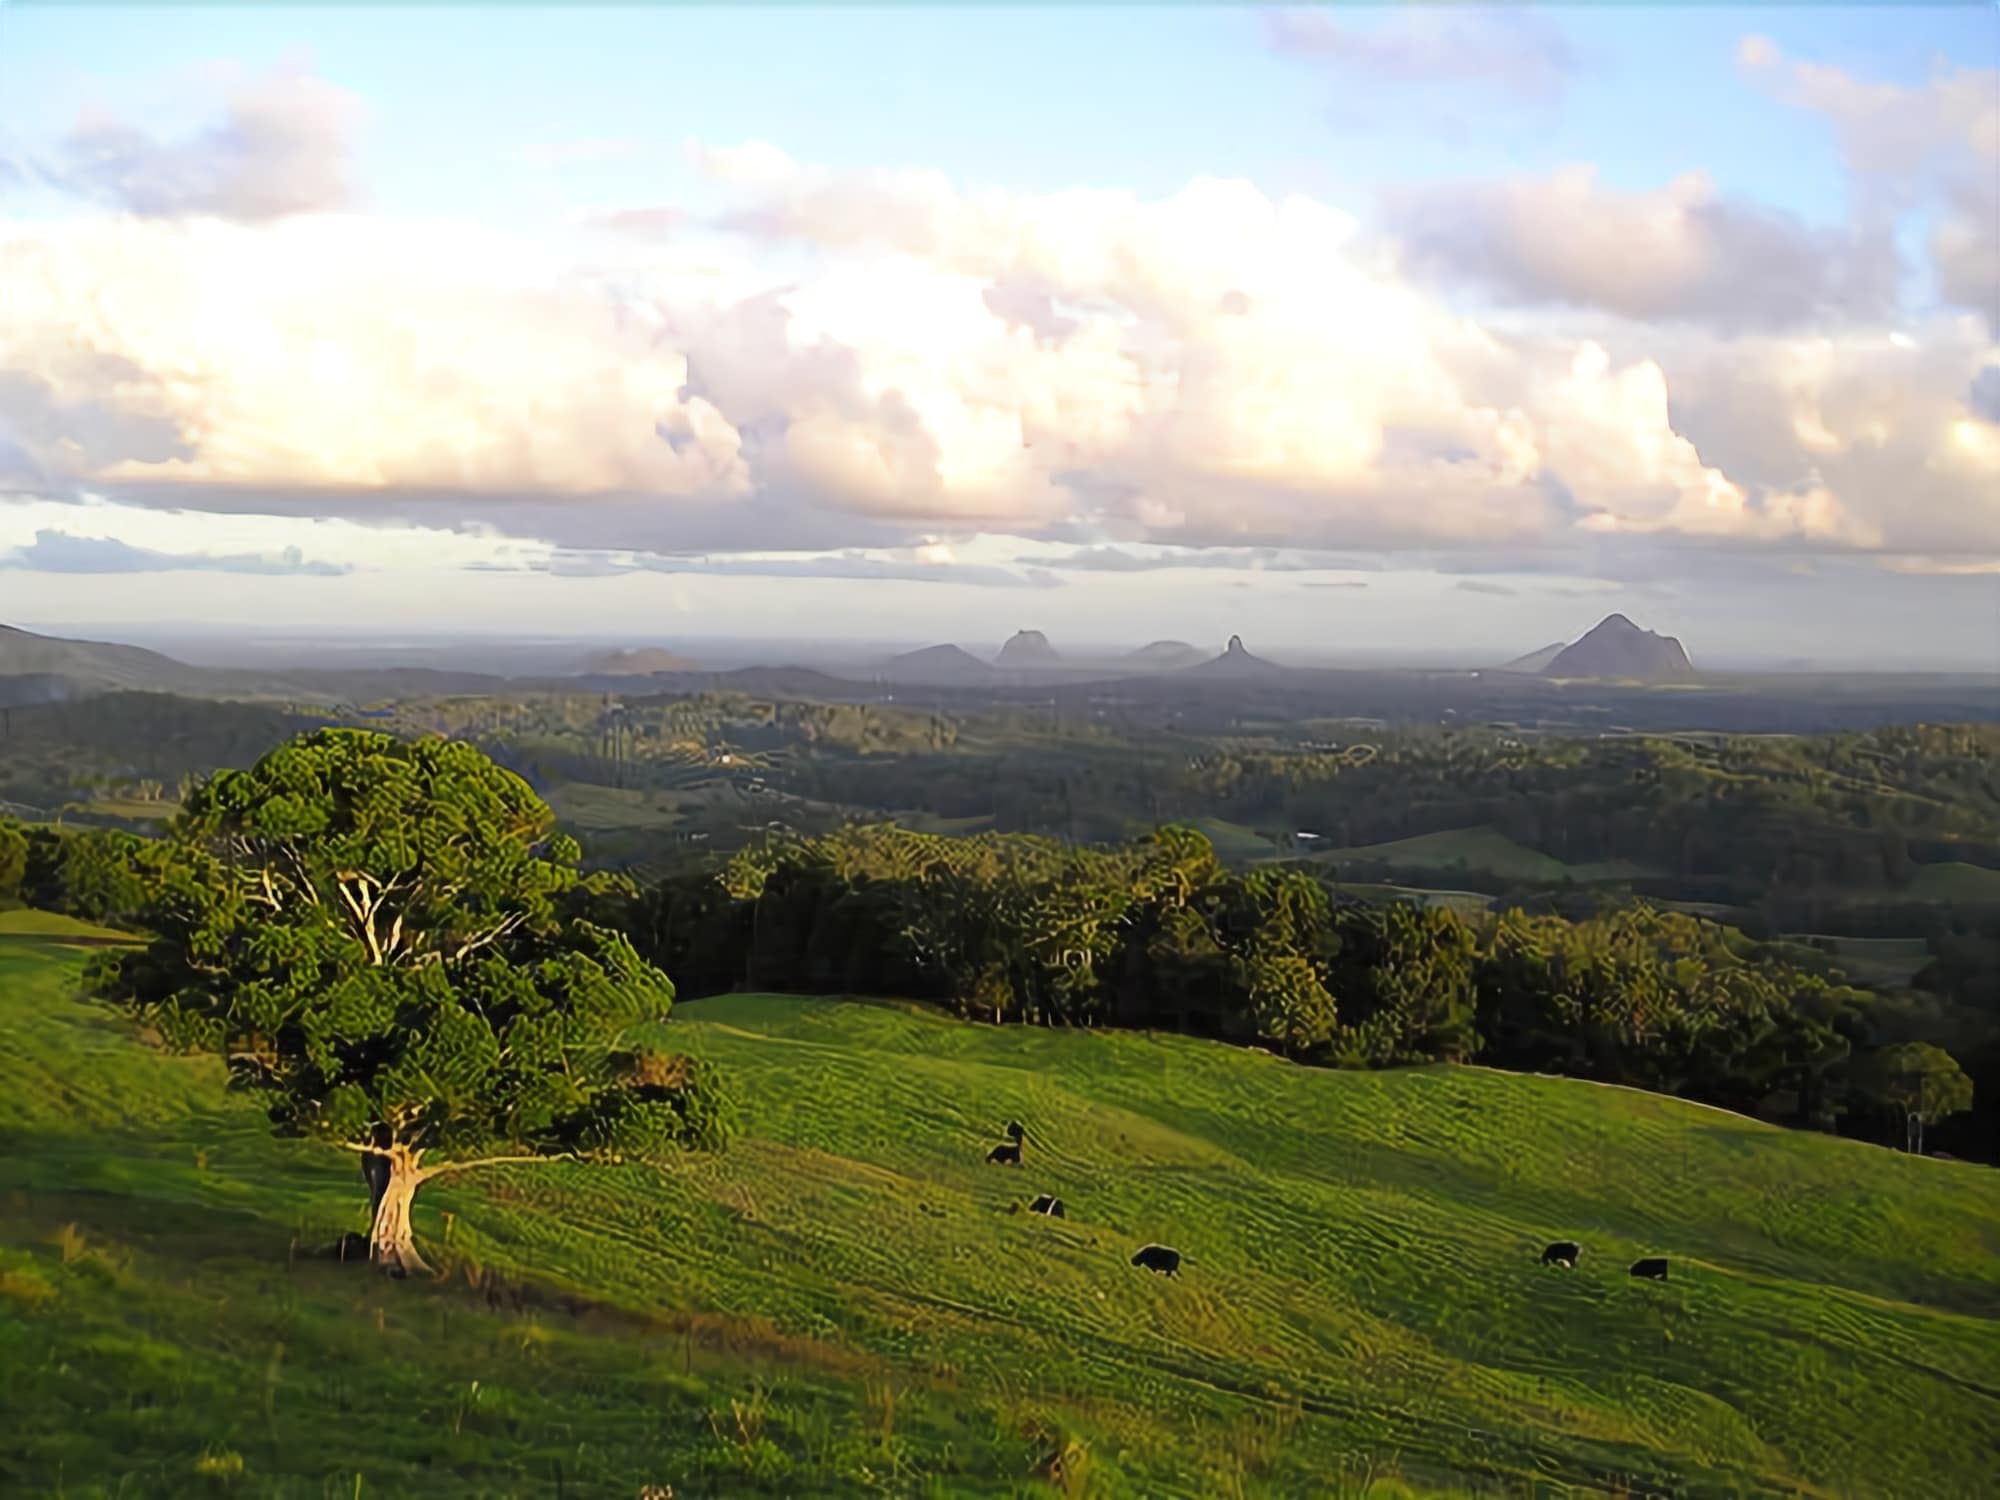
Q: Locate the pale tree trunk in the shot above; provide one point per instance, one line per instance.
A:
(393, 1179)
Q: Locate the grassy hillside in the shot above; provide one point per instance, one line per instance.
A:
(24, 924)
(1486, 850)
(1233, 842)
(848, 1302)
(1954, 880)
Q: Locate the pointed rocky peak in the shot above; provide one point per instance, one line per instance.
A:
(1615, 647)
(1028, 648)
(1236, 660)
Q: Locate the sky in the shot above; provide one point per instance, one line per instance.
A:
(1346, 328)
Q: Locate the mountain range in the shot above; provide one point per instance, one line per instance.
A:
(37, 668)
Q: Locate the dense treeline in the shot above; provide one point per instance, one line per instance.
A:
(1743, 819)
(1799, 831)
(1160, 934)
(1059, 919)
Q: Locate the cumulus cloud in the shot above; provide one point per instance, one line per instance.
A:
(88, 411)
(1965, 245)
(281, 148)
(1886, 427)
(1509, 52)
(1902, 142)
(1680, 252)
(340, 353)
(1983, 397)
(859, 361)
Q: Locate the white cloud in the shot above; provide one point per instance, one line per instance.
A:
(282, 148)
(1681, 251)
(186, 537)
(892, 354)
(349, 354)
(1905, 143)
(1513, 52)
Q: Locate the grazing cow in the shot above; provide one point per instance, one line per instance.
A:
(1562, 1253)
(1046, 1204)
(1015, 1132)
(1653, 1268)
(1159, 1258)
(1006, 1155)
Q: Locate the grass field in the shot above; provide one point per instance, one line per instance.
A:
(23, 924)
(1486, 850)
(1889, 962)
(848, 1303)
(1953, 880)
(1468, 902)
(1234, 844)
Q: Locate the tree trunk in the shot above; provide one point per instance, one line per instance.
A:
(392, 1181)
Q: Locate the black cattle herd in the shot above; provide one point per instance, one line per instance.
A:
(1168, 1262)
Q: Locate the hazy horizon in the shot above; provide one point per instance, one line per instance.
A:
(523, 654)
(1387, 333)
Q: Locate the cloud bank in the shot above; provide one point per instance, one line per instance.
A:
(848, 364)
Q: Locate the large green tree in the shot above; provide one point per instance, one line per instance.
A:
(391, 946)
(1921, 1083)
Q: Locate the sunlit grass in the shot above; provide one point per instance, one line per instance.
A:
(850, 1301)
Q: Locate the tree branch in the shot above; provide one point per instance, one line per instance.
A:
(445, 1168)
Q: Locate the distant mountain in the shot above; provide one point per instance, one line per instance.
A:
(1166, 656)
(1535, 661)
(71, 668)
(1617, 648)
(643, 662)
(1026, 650)
(937, 666)
(1235, 661)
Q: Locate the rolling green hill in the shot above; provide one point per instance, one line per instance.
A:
(1955, 880)
(1486, 850)
(849, 1302)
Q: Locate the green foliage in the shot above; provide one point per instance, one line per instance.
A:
(13, 861)
(1921, 1082)
(388, 943)
(1158, 933)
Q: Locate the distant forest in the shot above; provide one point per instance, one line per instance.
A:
(1793, 926)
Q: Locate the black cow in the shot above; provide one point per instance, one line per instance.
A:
(1006, 1155)
(1159, 1258)
(1653, 1268)
(1015, 1132)
(1562, 1253)
(1046, 1204)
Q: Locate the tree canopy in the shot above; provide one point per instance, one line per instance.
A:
(392, 947)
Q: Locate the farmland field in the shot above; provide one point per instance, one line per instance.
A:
(848, 1301)
(1486, 850)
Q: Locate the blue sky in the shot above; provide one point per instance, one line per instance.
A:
(297, 143)
(1028, 96)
